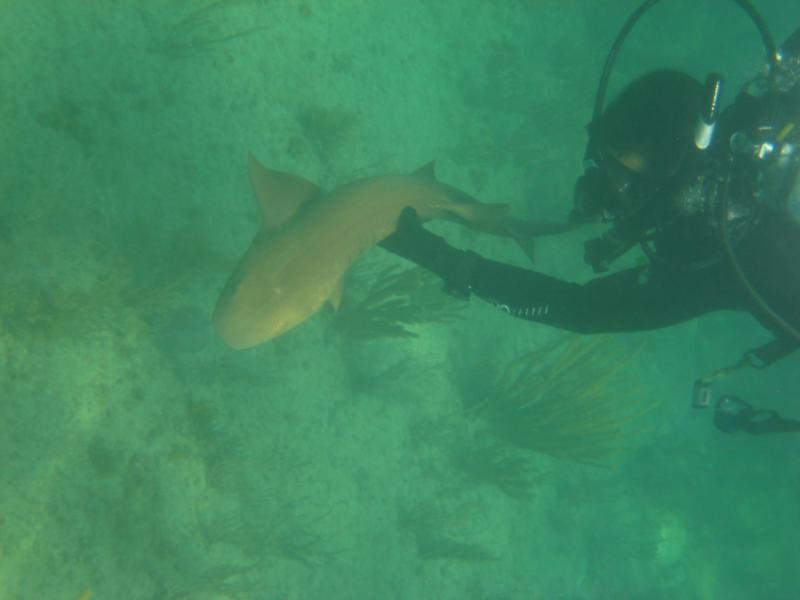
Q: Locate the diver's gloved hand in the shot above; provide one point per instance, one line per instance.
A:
(596, 253)
(415, 243)
(599, 253)
(589, 198)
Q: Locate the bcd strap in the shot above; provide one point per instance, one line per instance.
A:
(771, 352)
(757, 358)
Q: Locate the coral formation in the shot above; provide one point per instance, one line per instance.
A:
(202, 30)
(232, 582)
(429, 526)
(326, 128)
(277, 524)
(494, 463)
(65, 118)
(396, 299)
(49, 311)
(568, 401)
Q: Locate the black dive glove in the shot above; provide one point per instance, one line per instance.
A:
(415, 243)
(599, 253)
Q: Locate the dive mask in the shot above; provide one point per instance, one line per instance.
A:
(610, 191)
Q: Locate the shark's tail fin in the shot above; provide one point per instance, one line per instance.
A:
(488, 218)
(493, 219)
(524, 233)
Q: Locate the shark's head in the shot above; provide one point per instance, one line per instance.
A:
(246, 316)
(241, 332)
(262, 299)
(258, 303)
(253, 306)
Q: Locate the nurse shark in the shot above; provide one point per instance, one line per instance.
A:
(308, 239)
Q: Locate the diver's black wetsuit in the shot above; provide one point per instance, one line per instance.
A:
(634, 299)
(640, 298)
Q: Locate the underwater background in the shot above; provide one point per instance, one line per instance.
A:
(409, 446)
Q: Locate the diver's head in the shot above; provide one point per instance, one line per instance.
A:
(641, 143)
(649, 128)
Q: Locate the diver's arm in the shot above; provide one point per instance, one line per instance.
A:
(623, 301)
(518, 291)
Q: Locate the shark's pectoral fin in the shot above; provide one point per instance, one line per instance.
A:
(525, 241)
(280, 195)
(335, 299)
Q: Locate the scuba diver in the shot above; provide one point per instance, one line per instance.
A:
(712, 197)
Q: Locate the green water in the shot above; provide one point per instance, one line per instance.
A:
(140, 458)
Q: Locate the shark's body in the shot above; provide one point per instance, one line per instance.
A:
(309, 239)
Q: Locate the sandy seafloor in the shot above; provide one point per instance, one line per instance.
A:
(140, 458)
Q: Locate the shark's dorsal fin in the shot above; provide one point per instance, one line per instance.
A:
(279, 195)
(427, 170)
